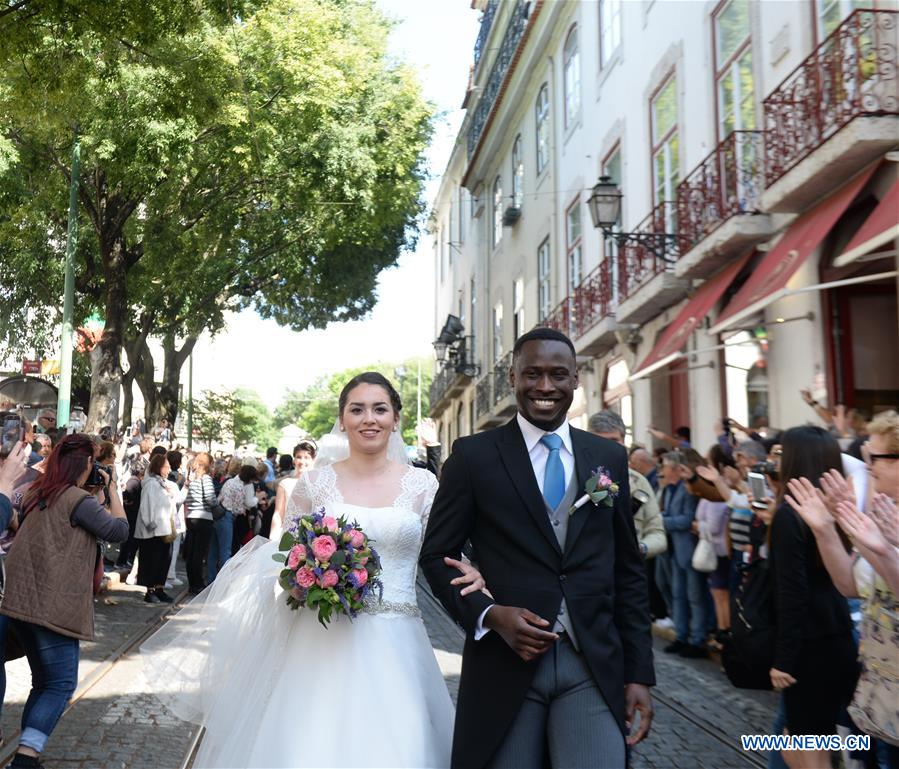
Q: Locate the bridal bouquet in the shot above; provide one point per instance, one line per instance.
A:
(329, 565)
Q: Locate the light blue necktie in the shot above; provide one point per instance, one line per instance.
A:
(554, 476)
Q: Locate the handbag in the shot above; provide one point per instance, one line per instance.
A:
(705, 559)
(874, 708)
(217, 509)
(748, 654)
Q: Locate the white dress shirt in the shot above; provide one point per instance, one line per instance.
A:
(538, 453)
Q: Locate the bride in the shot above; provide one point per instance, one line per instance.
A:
(275, 689)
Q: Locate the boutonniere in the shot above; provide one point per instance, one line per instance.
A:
(599, 489)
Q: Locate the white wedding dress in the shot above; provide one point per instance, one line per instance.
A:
(273, 688)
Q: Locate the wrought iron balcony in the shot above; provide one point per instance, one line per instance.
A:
(561, 318)
(484, 32)
(638, 264)
(483, 395)
(727, 183)
(440, 385)
(518, 21)
(501, 386)
(851, 74)
(594, 298)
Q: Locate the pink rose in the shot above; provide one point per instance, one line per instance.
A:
(296, 556)
(329, 523)
(323, 548)
(363, 560)
(361, 576)
(604, 481)
(328, 579)
(357, 538)
(305, 577)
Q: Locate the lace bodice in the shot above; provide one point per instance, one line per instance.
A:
(397, 530)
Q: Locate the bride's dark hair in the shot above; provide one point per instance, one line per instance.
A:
(372, 378)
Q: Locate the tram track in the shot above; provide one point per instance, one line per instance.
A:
(730, 741)
(101, 671)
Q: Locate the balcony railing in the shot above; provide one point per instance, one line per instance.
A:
(851, 74)
(441, 383)
(501, 386)
(482, 395)
(593, 298)
(484, 33)
(727, 183)
(561, 318)
(518, 21)
(638, 264)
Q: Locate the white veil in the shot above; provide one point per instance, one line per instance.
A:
(334, 447)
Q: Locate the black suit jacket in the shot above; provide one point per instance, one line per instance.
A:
(488, 494)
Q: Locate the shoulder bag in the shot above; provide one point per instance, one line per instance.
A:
(748, 654)
(217, 509)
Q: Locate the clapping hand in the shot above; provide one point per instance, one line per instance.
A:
(837, 489)
(886, 516)
(861, 529)
(471, 577)
(427, 432)
(808, 503)
(708, 473)
(13, 467)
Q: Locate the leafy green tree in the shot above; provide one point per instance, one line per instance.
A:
(272, 160)
(315, 408)
(253, 422)
(213, 417)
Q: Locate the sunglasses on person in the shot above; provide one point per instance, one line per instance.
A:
(871, 458)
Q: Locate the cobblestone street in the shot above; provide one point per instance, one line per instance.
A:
(119, 724)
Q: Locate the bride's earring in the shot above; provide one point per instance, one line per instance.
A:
(342, 429)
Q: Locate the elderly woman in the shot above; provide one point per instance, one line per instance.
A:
(48, 602)
(156, 528)
(870, 572)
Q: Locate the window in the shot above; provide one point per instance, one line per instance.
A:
(460, 205)
(473, 319)
(831, 13)
(617, 397)
(544, 298)
(497, 211)
(572, 68)
(497, 331)
(517, 308)
(611, 167)
(609, 29)
(733, 69)
(542, 116)
(573, 245)
(665, 148)
(517, 172)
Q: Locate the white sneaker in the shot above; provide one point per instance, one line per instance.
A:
(665, 623)
(177, 582)
(169, 584)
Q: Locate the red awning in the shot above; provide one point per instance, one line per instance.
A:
(670, 345)
(768, 282)
(879, 229)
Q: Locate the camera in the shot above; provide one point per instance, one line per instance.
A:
(766, 468)
(95, 479)
(13, 433)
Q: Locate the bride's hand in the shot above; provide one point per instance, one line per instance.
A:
(470, 577)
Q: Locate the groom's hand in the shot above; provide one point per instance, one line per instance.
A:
(521, 629)
(637, 700)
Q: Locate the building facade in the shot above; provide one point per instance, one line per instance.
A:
(754, 145)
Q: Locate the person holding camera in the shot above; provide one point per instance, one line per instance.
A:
(48, 602)
(156, 528)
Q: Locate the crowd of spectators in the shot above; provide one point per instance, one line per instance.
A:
(817, 508)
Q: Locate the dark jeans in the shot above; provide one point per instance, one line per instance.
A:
(222, 539)
(128, 549)
(153, 566)
(199, 535)
(53, 659)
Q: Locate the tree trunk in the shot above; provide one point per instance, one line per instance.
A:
(135, 349)
(106, 357)
(173, 362)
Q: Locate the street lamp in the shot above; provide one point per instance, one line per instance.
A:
(605, 211)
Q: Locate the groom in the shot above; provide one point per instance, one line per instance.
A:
(558, 662)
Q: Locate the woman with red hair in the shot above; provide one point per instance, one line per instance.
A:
(48, 601)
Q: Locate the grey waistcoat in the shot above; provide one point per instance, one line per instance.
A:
(559, 520)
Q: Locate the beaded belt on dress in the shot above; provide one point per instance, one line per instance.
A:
(374, 606)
